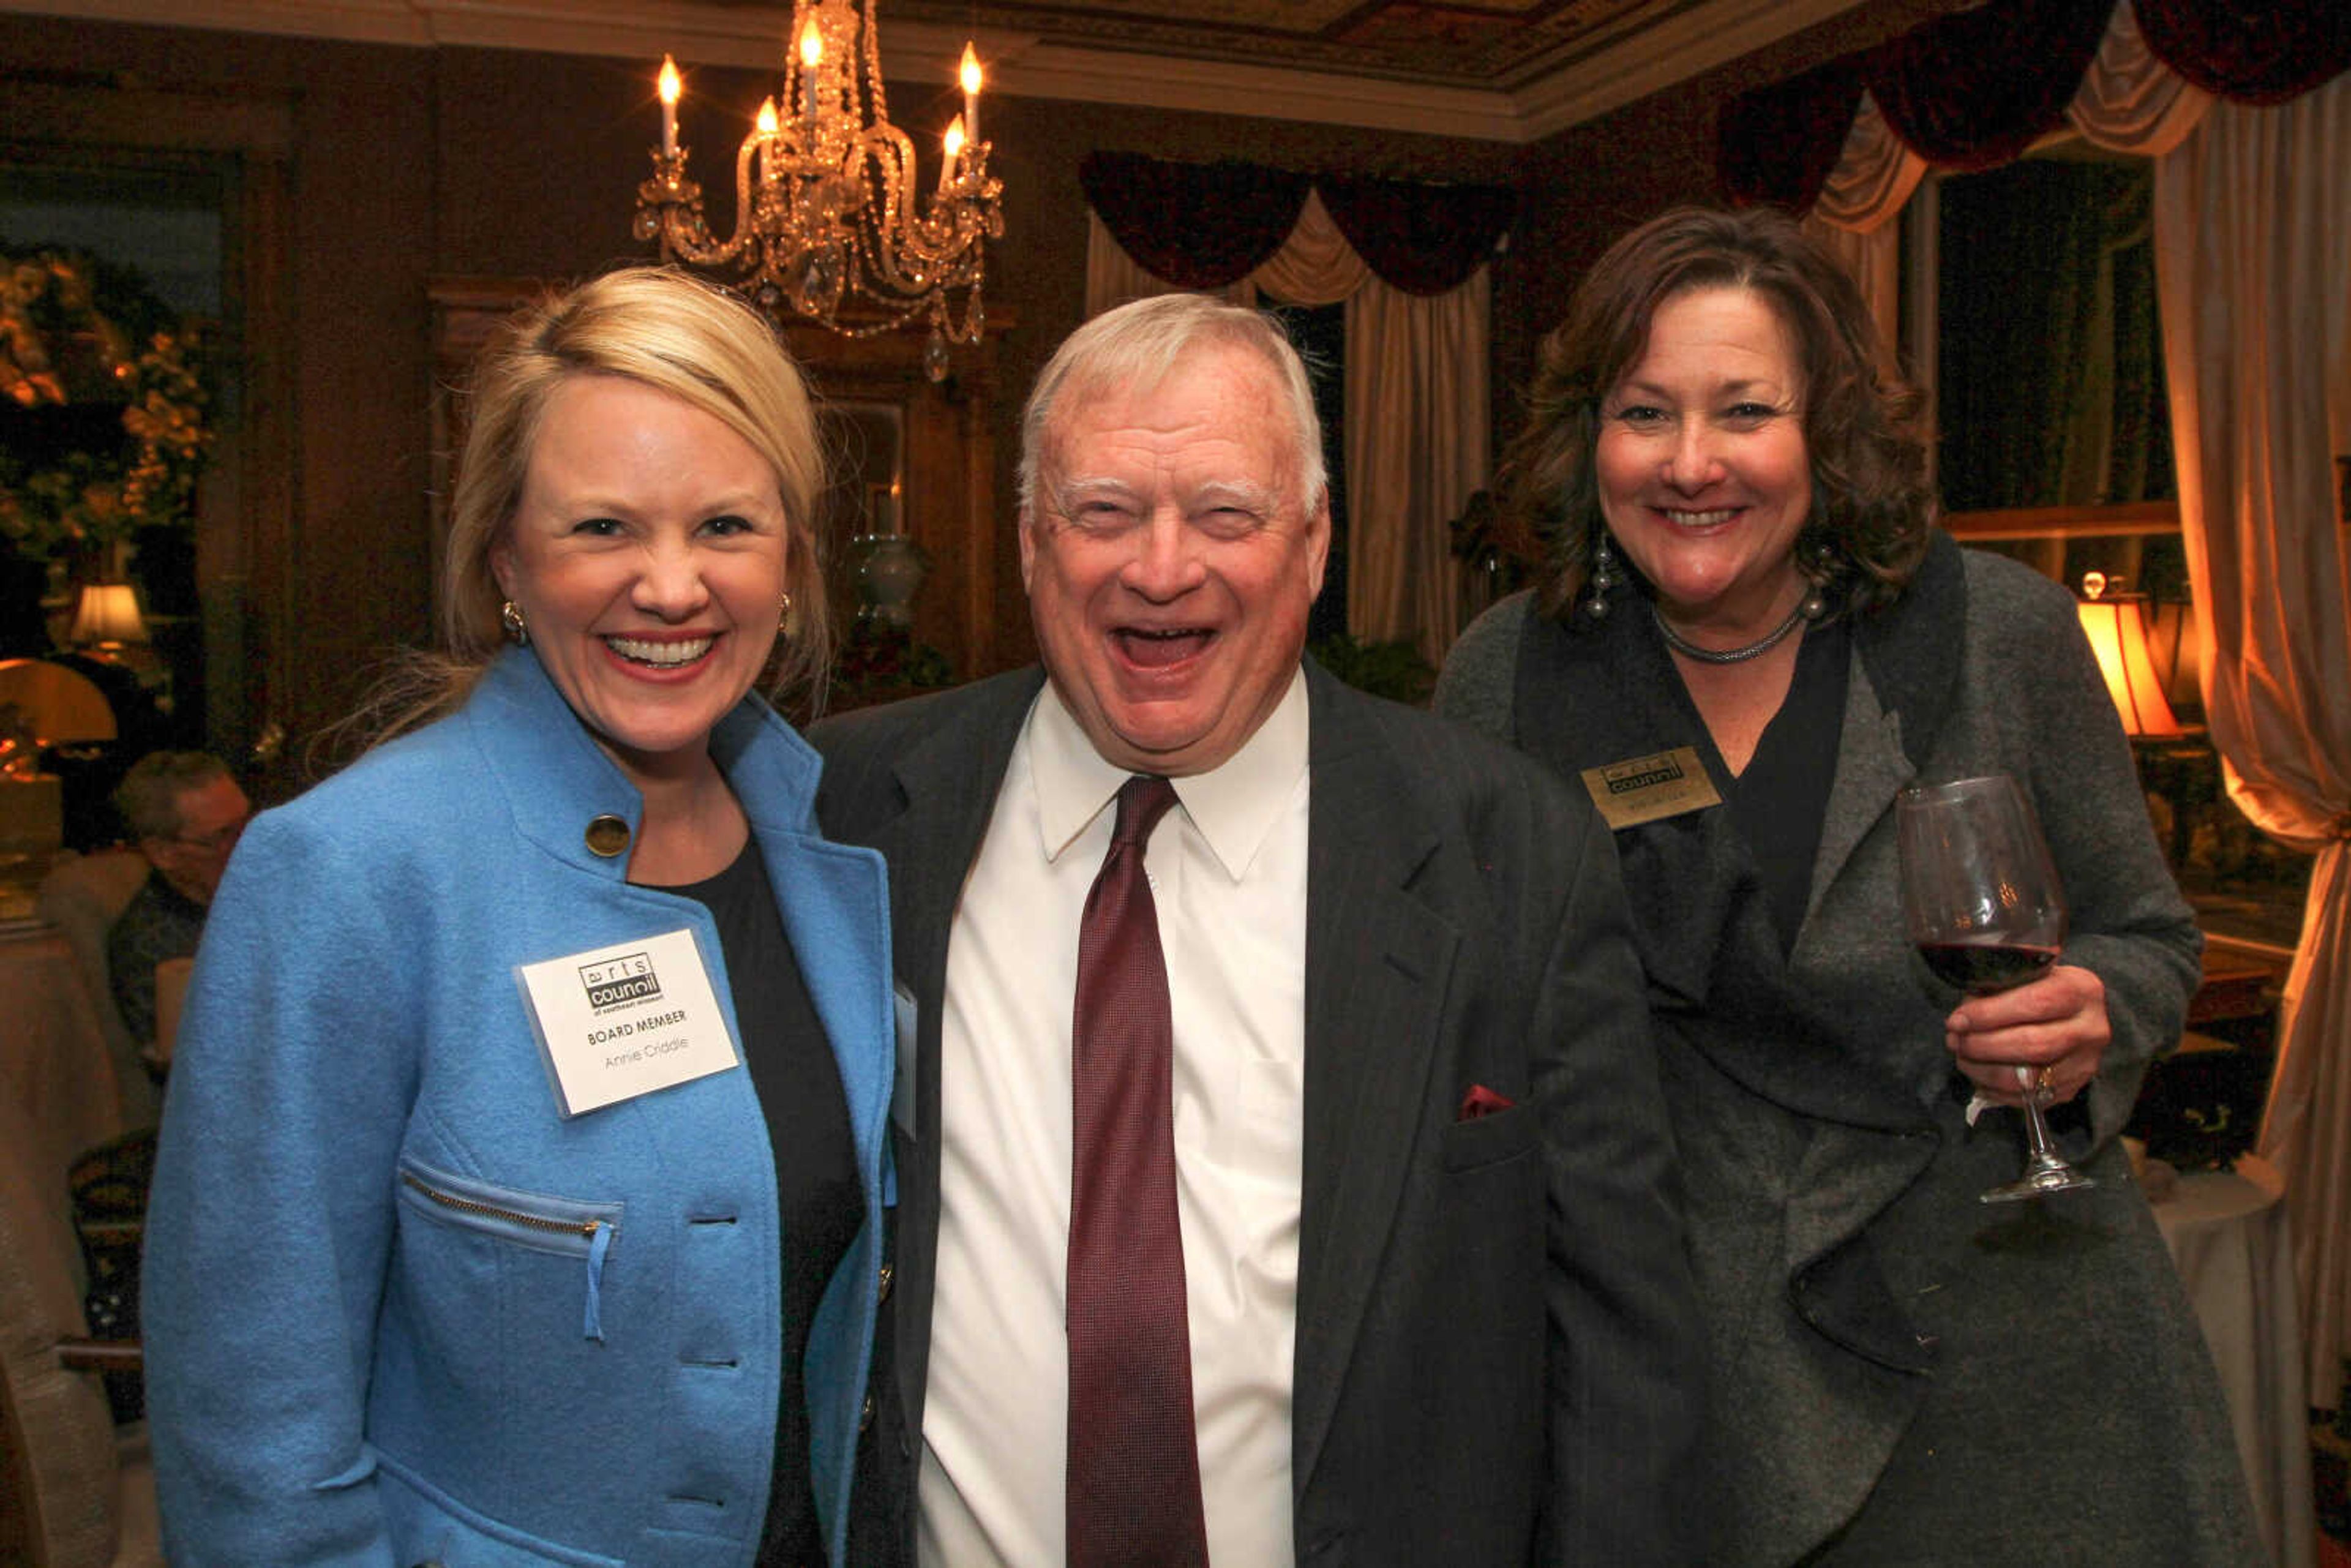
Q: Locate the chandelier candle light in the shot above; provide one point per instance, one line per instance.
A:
(827, 220)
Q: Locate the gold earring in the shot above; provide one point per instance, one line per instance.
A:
(510, 619)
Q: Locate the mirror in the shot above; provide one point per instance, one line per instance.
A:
(868, 476)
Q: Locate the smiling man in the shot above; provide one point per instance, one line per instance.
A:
(1282, 1156)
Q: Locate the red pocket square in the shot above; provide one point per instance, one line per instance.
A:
(1481, 1101)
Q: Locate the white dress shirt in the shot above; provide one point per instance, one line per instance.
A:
(1228, 879)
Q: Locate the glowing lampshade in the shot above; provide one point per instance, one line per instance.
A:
(2118, 633)
(2175, 641)
(107, 612)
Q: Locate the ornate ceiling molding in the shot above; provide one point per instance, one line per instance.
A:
(1616, 70)
(1615, 67)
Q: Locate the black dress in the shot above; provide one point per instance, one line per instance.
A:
(1777, 803)
(819, 1207)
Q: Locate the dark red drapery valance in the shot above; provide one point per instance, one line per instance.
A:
(1974, 89)
(1779, 144)
(2255, 51)
(1205, 225)
(1422, 239)
(1200, 225)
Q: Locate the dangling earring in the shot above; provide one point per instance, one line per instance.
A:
(510, 619)
(785, 612)
(1604, 578)
(1816, 603)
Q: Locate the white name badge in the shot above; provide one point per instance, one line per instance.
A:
(620, 1021)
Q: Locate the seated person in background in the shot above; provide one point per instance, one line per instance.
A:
(185, 811)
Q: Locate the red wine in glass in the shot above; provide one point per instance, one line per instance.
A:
(1982, 904)
(1980, 968)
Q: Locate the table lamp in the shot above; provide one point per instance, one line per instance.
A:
(2116, 624)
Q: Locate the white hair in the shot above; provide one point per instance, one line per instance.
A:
(1140, 343)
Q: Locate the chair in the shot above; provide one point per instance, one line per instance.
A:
(78, 1494)
(82, 896)
(171, 976)
(109, 1186)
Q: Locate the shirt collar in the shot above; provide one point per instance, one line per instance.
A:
(1234, 806)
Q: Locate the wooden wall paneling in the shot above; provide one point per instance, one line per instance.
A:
(949, 506)
(248, 617)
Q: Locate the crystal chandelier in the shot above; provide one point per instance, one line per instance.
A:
(828, 219)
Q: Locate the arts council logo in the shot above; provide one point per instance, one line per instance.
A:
(620, 982)
(1642, 773)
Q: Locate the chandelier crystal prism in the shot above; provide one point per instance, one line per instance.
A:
(829, 223)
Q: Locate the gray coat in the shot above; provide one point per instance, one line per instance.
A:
(1901, 1375)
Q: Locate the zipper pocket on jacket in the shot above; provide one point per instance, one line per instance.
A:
(572, 1230)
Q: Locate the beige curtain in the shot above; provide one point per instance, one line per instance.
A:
(2130, 100)
(2253, 255)
(1417, 434)
(1416, 451)
(1872, 181)
(1315, 266)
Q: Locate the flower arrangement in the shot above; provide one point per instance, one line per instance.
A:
(80, 336)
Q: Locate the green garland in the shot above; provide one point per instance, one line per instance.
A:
(75, 330)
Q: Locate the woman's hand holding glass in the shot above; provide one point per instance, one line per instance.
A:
(1981, 902)
(2056, 1024)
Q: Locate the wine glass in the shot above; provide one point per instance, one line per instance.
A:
(1981, 900)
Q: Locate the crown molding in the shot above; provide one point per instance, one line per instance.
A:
(1606, 74)
(1053, 70)
(1612, 72)
(344, 21)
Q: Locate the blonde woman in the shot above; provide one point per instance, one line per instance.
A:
(520, 1193)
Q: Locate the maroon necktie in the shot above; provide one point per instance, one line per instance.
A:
(1133, 1494)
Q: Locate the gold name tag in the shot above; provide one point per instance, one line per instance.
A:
(1643, 788)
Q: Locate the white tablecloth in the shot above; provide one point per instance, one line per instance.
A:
(2227, 1231)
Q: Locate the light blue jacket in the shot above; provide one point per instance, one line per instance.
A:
(344, 1370)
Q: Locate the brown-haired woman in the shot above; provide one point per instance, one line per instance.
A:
(1743, 584)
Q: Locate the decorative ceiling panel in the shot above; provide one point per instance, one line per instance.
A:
(1498, 43)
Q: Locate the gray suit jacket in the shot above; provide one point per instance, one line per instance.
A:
(1496, 1350)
